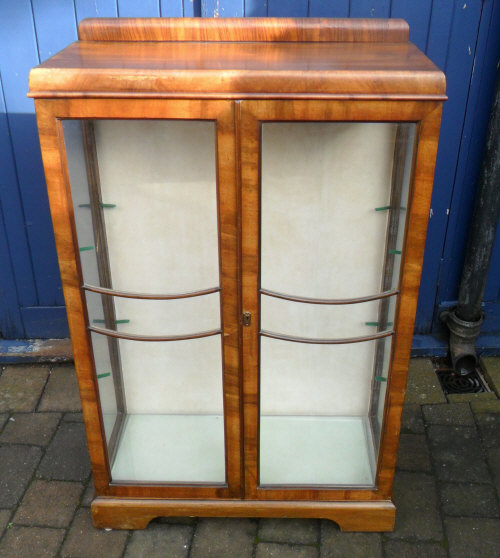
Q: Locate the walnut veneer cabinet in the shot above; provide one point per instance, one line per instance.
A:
(240, 209)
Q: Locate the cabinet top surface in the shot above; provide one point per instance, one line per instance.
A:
(240, 58)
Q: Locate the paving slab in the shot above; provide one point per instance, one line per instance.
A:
(467, 499)
(66, 457)
(84, 541)
(462, 397)
(17, 465)
(89, 494)
(224, 538)
(49, 504)
(335, 544)
(412, 420)
(417, 513)
(456, 414)
(35, 429)
(494, 465)
(160, 541)
(4, 417)
(31, 542)
(277, 550)
(73, 417)
(413, 454)
(4, 519)
(177, 520)
(301, 531)
(473, 537)
(61, 392)
(489, 428)
(486, 406)
(457, 454)
(404, 549)
(423, 384)
(491, 369)
(21, 387)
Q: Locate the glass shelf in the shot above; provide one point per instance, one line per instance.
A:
(316, 450)
(173, 448)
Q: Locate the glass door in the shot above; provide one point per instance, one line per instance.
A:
(323, 242)
(156, 237)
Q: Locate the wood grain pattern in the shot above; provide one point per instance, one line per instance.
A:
(410, 282)
(252, 114)
(244, 29)
(61, 208)
(238, 70)
(267, 70)
(350, 516)
(51, 137)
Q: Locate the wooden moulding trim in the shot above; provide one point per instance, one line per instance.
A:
(135, 337)
(339, 301)
(63, 94)
(144, 296)
(244, 29)
(128, 513)
(314, 341)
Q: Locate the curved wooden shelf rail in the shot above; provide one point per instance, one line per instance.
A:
(136, 337)
(145, 296)
(315, 341)
(307, 300)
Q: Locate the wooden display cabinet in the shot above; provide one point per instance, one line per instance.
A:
(240, 209)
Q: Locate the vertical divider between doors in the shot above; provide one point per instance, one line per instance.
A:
(250, 225)
(228, 206)
(237, 154)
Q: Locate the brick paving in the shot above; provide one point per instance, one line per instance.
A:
(447, 485)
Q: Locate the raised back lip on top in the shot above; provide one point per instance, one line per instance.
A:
(247, 29)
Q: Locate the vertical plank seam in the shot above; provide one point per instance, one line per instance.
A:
(19, 196)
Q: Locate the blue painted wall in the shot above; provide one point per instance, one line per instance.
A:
(461, 37)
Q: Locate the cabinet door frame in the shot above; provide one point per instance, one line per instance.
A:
(50, 113)
(250, 115)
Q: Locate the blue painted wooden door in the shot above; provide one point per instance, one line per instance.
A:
(461, 37)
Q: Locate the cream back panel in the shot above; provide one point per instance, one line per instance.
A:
(321, 183)
(322, 237)
(159, 317)
(175, 377)
(320, 320)
(158, 187)
(324, 380)
(162, 234)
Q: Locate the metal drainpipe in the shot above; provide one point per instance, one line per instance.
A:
(464, 321)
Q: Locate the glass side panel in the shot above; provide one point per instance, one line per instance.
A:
(334, 199)
(107, 391)
(145, 206)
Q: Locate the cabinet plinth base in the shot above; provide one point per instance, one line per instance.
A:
(129, 513)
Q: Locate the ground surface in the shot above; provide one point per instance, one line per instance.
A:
(447, 485)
